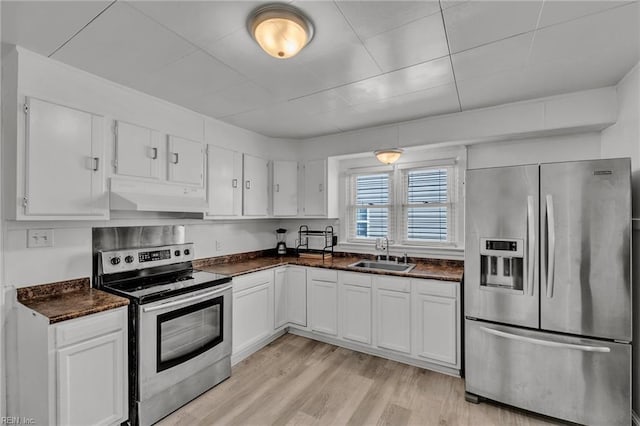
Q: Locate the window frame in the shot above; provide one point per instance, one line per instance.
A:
(352, 206)
(398, 234)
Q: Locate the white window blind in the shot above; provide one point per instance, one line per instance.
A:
(370, 211)
(427, 210)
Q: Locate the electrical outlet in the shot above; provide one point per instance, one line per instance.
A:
(218, 245)
(39, 238)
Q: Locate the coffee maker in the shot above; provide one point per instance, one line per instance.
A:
(281, 237)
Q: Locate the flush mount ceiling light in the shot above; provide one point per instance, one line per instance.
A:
(388, 156)
(281, 30)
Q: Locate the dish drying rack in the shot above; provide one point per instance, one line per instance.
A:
(330, 240)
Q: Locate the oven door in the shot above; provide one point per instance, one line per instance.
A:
(182, 336)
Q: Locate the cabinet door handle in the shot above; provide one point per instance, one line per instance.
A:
(96, 164)
(247, 184)
(277, 187)
(175, 154)
(234, 183)
(154, 156)
(320, 187)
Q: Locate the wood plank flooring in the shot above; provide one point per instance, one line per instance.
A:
(298, 381)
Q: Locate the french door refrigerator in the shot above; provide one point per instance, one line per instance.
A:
(548, 289)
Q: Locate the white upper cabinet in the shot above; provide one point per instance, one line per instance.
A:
(285, 188)
(137, 151)
(224, 182)
(64, 175)
(315, 188)
(256, 186)
(186, 161)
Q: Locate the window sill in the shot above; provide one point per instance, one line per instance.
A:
(444, 252)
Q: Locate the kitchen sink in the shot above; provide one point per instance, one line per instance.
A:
(383, 265)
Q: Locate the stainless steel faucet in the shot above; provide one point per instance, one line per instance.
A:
(386, 246)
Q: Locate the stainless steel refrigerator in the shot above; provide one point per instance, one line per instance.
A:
(548, 289)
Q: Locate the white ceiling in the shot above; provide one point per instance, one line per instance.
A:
(370, 62)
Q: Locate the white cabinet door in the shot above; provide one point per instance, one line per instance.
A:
(393, 320)
(255, 191)
(356, 314)
(315, 186)
(280, 294)
(436, 328)
(297, 295)
(224, 175)
(91, 389)
(136, 151)
(252, 315)
(324, 307)
(64, 171)
(285, 188)
(186, 161)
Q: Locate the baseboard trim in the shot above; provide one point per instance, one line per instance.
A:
(635, 418)
(250, 350)
(377, 352)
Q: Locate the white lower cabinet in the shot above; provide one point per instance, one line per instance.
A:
(280, 298)
(436, 323)
(297, 295)
(323, 303)
(253, 309)
(74, 372)
(410, 320)
(356, 307)
(393, 320)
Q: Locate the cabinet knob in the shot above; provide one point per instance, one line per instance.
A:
(176, 156)
(247, 184)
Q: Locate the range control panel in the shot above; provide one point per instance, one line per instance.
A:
(132, 259)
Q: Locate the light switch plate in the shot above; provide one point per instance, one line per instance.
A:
(39, 238)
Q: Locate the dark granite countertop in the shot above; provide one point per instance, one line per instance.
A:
(66, 300)
(445, 270)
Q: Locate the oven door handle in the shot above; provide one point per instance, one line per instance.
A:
(186, 300)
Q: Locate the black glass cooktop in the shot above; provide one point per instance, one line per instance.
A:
(149, 288)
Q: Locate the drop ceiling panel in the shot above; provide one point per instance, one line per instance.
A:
(616, 38)
(368, 21)
(475, 23)
(189, 77)
(123, 45)
(43, 26)
(344, 65)
(419, 41)
(554, 12)
(434, 101)
(282, 120)
(231, 100)
(412, 79)
(320, 102)
(494, 57)
(201, 22)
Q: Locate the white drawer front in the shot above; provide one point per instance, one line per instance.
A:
(244, 282)
(351, 278)
(393, 284)
(89, 327)
(435, 287)
(324, 275)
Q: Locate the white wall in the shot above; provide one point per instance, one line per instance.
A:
(623, 140)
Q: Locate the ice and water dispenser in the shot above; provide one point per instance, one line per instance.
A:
(501, 263)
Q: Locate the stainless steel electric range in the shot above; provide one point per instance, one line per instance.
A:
(179, 325)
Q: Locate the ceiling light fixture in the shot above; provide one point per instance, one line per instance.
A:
(281, 30)
(388, 156)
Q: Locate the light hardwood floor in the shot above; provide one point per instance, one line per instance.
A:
(298, 381)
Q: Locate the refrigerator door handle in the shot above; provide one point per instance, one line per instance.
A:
(551, 238)
(531, 251)
(549, 343)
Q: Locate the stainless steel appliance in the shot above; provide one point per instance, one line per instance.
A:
(179, 325)
(548, 289)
